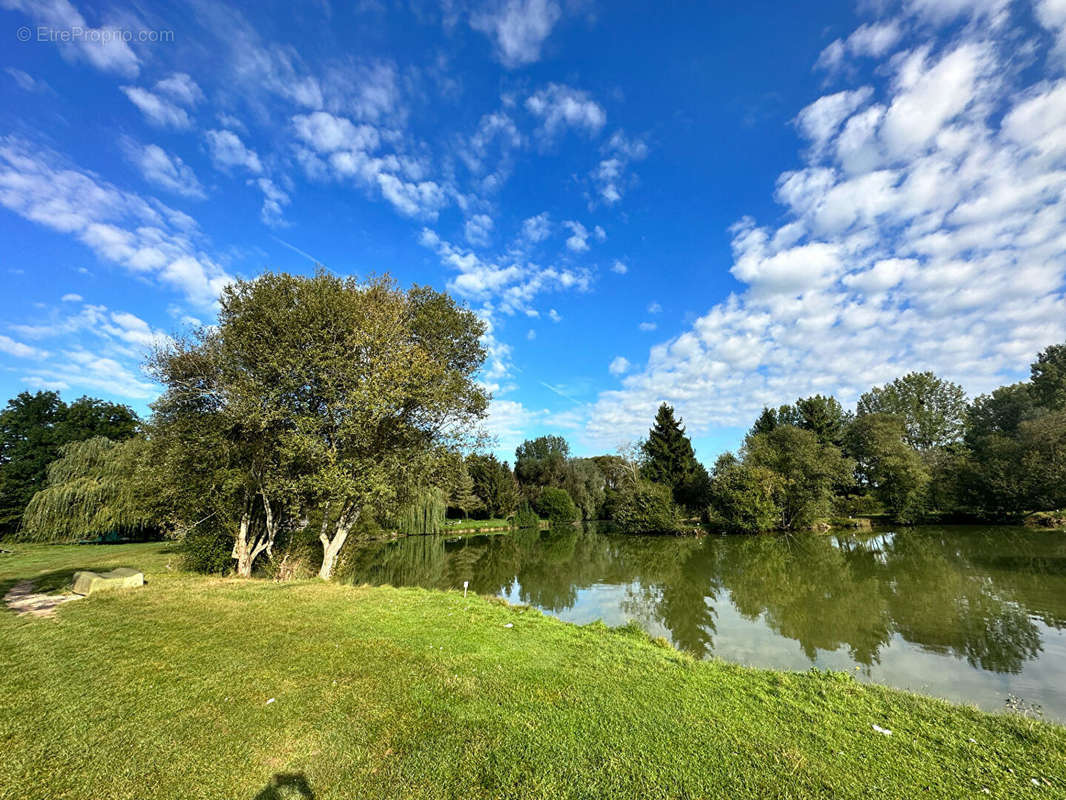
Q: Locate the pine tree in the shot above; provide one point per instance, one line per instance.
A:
(462, 496)
(670, 460)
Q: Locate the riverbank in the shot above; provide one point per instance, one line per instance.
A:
(209, 687)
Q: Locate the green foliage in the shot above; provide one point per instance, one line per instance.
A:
(886, 464)
(462, 496)
(745, 498)
(320, 393)
(207, 548)
(824, 417)
(933, 410)
(423, 513)
(541, 461)
(765, 423)
(526, 517)
(809, 471)
(586, 485)
(493, 485)
(668, 459)
(646, 507)
(1048, 378)
(1000, 412)
(555, 505)
(33, 428)
(95, 487)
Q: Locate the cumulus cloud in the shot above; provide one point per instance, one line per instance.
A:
(518, 28)
(478, 230)
(619, 366)
(619, 267)
(510, 284)
(337, 149)
(559, 107)
(923, 230)
(228, 151)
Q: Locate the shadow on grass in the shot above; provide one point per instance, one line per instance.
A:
(287, 786)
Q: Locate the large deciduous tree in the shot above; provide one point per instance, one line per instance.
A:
(329, 394)
(808, 471)
(541, 462)
(887, 465)
(933, 410)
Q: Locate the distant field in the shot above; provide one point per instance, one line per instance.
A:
(197, 687)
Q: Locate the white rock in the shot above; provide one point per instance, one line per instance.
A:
(271, 700)
(509, 625)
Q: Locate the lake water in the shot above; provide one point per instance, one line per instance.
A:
(972, 614)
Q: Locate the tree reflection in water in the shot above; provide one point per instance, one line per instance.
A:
(970, 593)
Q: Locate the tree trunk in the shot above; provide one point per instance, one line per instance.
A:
(242, 550)
(331, 546)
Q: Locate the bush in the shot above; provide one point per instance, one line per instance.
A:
(556, 505)
(646, 507)
(208, 549)
(526, 517)
(745, 498)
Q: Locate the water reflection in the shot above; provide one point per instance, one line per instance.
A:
(986, 597)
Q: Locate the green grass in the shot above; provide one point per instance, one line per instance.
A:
(162, 692)
(474, 524)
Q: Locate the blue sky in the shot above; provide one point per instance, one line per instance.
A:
(720, 208)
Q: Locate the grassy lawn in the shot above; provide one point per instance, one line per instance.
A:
(198, 687)
(474, 524)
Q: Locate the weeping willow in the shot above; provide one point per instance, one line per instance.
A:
(424, 513)
(92, 489)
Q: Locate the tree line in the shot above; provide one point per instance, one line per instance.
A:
(320, 408)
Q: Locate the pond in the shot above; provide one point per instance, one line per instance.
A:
(972, 614)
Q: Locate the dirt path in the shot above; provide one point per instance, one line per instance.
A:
(21, 599)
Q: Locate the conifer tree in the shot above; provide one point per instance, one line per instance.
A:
(670, 460)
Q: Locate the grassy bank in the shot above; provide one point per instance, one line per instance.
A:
(200, 687)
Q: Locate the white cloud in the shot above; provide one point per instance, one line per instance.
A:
(611, 174)
(578, 241)
(559, 107)
(654, 308)
(924, 231)
(27, 82)
(619, 366)
(274, 201)
(72, 298)
(18, 349)
(531, 335)
(537, 229)
(619, 267)
(554, 315)
(1052, 15)
(103, 46)
(518, 28)
(227, 150)
(143, 235)
(478, 230)
(510, 284)
(159, 167)
(157, 110)
(873, 40)
(341, 150)
(647, 327)
(181, 89)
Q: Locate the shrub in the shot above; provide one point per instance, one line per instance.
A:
(526, 517)
(207, 548)
(556, 505)
(745, 498)
(646, 507)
